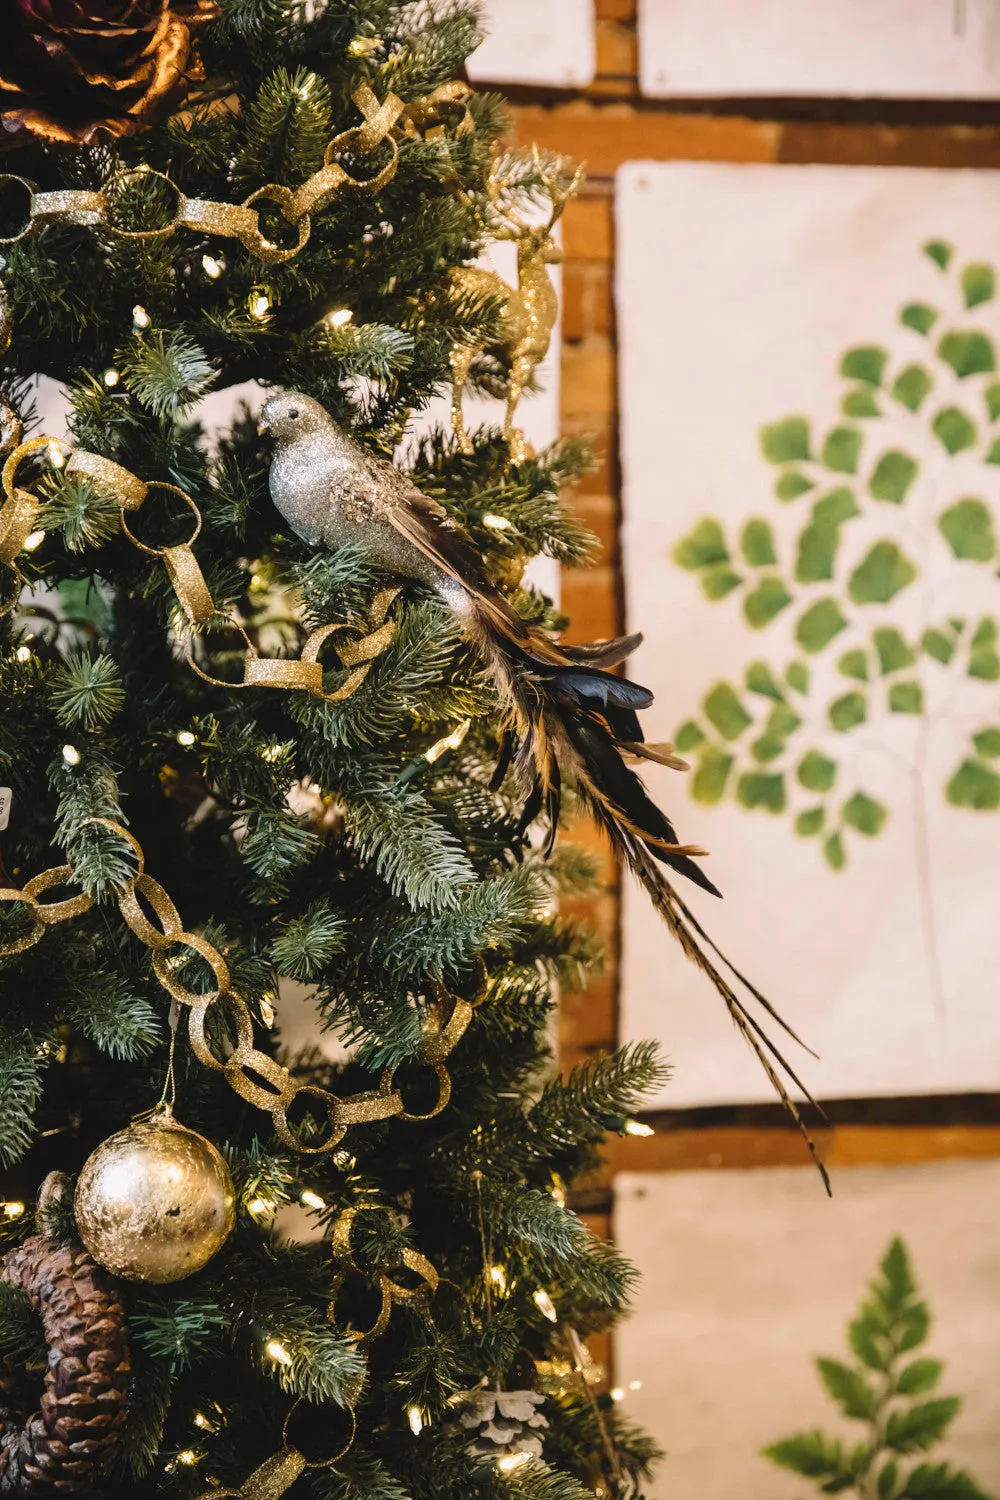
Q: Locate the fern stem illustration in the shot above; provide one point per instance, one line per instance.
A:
(925, 876)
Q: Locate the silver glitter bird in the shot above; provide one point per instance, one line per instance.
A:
(561, 710)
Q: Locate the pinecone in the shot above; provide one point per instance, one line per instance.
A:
(54, 1451)
(503, 1423)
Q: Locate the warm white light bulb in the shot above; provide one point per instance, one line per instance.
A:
(14, 1209)
(636, 1127)
(278, 1352)
(498, 1276)
(416, 1420)
(55, 454)
(340, 318)
(260, 304)
(22, 653)
(187, 1456)
(140, 317)
(185, 737)
(211, 266)
(71, 755)
(271, 752)
(34, 540)
(617, 1394)
(511, 1461)
(496, 523)
(111, 377)
(258, 1206)
(450, 742)
(311, 1199)
(635, 1385)
(545, 1305)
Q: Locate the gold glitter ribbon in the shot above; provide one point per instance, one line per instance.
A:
(391, 1291)
(252, 1074)
(279, 1472)
(240, 221)
(19, 512)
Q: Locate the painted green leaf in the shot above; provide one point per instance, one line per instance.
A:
(718, 581)
(689, 735)
(797, 676)
(993, 452)
(984, 662)
(918, 316)
(906, 698)
(704, 545)
(969, 352)
(768, 747)
(985, 632)
(710, 776)
(864, 814)
(819, 625)
(833, 852)
(987, 742)
(785, 442)
(976, 786)
(761, 789)
(940, 252)
(842, 449)
(765, 601)
(817, 553)
(848, 712)
(893, 652)
(991, 396)
(892, 476)
(883, 573)
(757, 544)
(912, 386)
(816, 772)
(792, 484)
(967, 527)
(954, 429)
(860, 403)
(978, 283)
(866, 363)
(809, 823)
(782, 721)
(760, 679)
(939, 646)
(836, 507)
(724, 710)
(854, 664)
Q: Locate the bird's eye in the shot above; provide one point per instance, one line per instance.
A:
(293, 413)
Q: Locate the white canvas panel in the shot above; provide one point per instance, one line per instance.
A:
(934, 49)
(748, 1276)
(740, 290)
(549, 44)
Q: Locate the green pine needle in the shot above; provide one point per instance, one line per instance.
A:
(86, 691)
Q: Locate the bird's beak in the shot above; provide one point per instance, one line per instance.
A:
(263, 426)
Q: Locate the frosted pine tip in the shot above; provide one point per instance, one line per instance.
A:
(340, 318)
(545, 1305)
(311, 1199)
(636, 1127)
(22, 653)
(416, 1420)
(278, 1352)
(211, 267)
(71, 755)
(13, 1210)
(34, 540)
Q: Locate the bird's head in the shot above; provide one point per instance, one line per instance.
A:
(290, 415)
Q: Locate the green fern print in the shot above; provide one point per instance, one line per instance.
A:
(876, 625)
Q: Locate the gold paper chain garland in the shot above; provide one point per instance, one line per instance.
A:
(239, 221)
(252, 1074)
(18, 514)
(391, 1291)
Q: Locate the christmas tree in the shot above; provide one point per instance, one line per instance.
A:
(235, 763)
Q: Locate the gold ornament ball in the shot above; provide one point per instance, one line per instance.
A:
(155, 1201)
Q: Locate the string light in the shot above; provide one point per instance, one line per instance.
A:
(140, 317)
(34, 540)
(211, 267)
(635, 1385)
(260, 305)
(110, 377)
(558, 1191)
(13, 1210)
(545, 1305)
(278, 1352)
(416, 1420)
(200, 1420)
(71, 755)
(187, 1456)
(185, 737)
(340, 318)
(311, 1199)
(55, 454)
(636, 1127)
(271, 752)
(511, 1461)
(617, 1394)
(496, 523)
(498, 1276)
(259, 1206)
(267, 1009)
(450, 742)
(22, 653)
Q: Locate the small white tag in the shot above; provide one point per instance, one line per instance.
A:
(6, 798)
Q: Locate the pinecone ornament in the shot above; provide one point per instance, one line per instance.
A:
(55, 1450)
(501, 1424)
